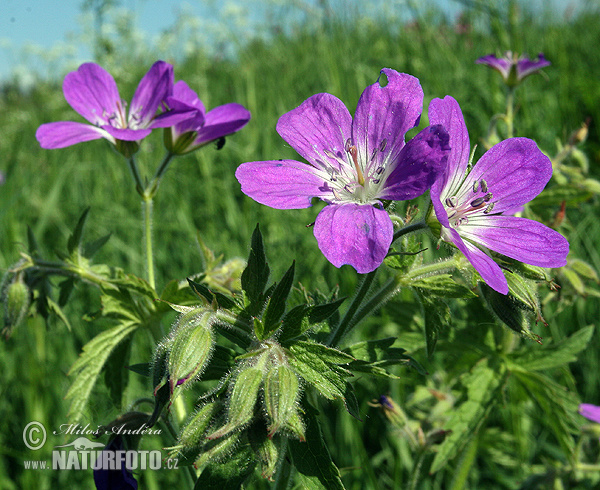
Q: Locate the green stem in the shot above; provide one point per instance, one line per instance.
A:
(160, 171)
(389, 289)
(139, 186)
(355, 312)
(414, 477)
(342, 328)
(147, 205)
(420, 225)
(190, 474)
(509, 119)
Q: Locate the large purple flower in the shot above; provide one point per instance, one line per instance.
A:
(512, 67)
(471, 206)
(203, 127)
(93, 93)
(354, 165)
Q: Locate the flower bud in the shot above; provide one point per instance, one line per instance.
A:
(16, 298)
(281, 392)
(190, 348)
(509, 310)
(218, 450)
(241, 400)
(192, 434)
(295, 426)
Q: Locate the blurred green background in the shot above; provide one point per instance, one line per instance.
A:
(340, 51)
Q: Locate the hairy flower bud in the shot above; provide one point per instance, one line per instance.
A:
(190, 348)
(16, 298)
(281, 393)
(192, 434)
(242, 400)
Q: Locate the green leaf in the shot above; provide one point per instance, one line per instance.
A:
(482, 385)
(294, 323)
(57, 310)
(320, 313)
(319, 374)
(256, 274)
(557, 406)
(88, 366)
(553, 355)
(327, 354)
(65, 287)
(372, 355)
(436, 317)
(201, 290)
(75, 238)
(441, 285)
(89, 249)
(116, 376)
(230, 473)
(316, 470)
(276, 306)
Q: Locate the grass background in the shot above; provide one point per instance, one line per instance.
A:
(340, 54)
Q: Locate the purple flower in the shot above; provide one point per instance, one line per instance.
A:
(590, 412)
(93, 93)
(353, 165)
(513, 68)
(203, 127)
(110, 471)
(471, 206)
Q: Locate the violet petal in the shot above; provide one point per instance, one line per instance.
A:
(447, 112)
(282, 184)
(490, 272)
(221, 121)
(591, 412)
(356, 234)
(66, 133)
(320, 123)
(515, 171)
(419, 164)
(526, 67)
(153, 88)
(93, 93)
(127, 134)
(501, 64)
(519, 238)
(384, 114)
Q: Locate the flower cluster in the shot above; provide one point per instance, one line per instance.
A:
(357, 165)
(158, 102)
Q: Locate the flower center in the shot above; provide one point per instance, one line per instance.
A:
(354, 179)
(474, 201)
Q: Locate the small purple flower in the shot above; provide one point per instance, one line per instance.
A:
(203, 127)
(590, 412)
(93, 93)
(472, 206)
(353, 165)
(118, 478)
(512, 67)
